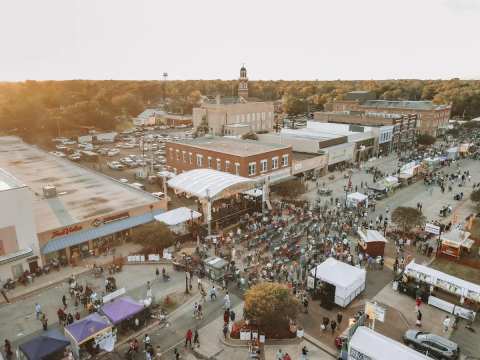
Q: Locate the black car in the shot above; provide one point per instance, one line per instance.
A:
(432, 345)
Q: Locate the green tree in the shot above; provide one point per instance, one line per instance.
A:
(271, 306)
(407, 218)
(155, 235)
(475, 197)
(425, 139)
(293, 105)
(128, 103)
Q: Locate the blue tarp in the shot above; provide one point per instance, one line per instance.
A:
(40, 347)
(95, 233)
(87, 327)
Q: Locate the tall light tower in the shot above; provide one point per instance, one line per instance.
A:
(165, 76)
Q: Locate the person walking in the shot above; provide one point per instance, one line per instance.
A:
(176, 353)
(232, 316)
(225, 330)
(333, 325)
(213, 294)
(188, 338)
(44, 322)
(226, 316)
(157, 274)
(446, 323)
(7, 347)
(146, 341)
(279, 355)
(196, 340)
(304, 353)
(38, 310)
(339, 318)
(64, 301)
(419, 318)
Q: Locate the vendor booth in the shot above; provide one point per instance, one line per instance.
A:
(357, 200)
(391, 182)
(343, 282)
(47, 346)
(123, 311)
(372, 242)
(89, 335)
(408, 172)
(215, 268)
(177, 219)
(447, 292)
(378, 187)
(455, 242)
(452, 153)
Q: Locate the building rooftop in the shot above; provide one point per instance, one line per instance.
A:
(405, 104)
(232, 146)
(81, 193)
(223, 100)
(8, 181)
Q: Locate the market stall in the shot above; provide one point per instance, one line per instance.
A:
(357, 200)
(89, 335)
(372, 242)
(447, 292)
(347, 281)
(454, 242)
(215, 267)
(452, 153)
(177, 219)
(123, 311)
(47, 346)
(391, 182)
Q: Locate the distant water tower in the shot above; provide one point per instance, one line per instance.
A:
(165, 76)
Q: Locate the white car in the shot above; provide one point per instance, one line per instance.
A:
(113, 152)
(159, 194)
(75, 157)
(115, 165)
(123, 180)
(57, 153)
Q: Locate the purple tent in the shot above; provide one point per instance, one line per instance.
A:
(84, 329)
(122, 308)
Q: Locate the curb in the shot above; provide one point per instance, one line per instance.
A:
(329, 350)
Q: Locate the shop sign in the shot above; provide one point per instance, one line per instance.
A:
(66, 231)
(432, 229)
(108, 219)
(357, 355)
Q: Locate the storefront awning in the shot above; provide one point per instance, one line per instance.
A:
(95, 233)
(4, 259)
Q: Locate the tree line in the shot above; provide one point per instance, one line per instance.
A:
(47, 106)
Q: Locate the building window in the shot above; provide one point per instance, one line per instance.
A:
(219, 165)
(199, 160)
(252, 168)
(275, 163)
(184, 156)
(263, 166)
(209, 162)
(237, 169)
(190, 158)
(177, 152)
(285, 160)
(227, 165)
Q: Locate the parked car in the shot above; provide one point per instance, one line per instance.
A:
(113, 152)
(138, 185)
(75, 157)
(123, 180)
(432, 345)
(115, 165)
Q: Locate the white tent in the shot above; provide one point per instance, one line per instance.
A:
(391, 182)
(371, 236)
(349, 281)
(354, 199)
(177, 216)
(458, 238)
(368, 344)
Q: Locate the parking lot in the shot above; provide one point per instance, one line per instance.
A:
(135, 157)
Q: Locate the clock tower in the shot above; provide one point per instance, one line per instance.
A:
(243, 83)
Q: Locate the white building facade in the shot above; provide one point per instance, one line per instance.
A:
(18, 236)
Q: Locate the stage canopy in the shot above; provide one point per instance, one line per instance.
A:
(208, 183)
(177, 216)
(44, 345)
(120, 309)
(85, 329)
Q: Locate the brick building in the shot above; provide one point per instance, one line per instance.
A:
(246, 158)
(432, 118)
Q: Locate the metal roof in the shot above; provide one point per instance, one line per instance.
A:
(405, 104)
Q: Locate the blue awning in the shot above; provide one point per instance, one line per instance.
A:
(95, 233)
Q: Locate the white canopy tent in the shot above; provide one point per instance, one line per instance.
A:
(176, 219)
(391, 182)
(371, 236)
(209, 184)
(354, 199)
(349, 281)
(177, 216)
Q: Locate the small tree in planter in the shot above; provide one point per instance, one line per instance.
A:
(271, 306)
(407, 217)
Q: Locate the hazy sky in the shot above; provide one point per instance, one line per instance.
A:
(209, 39)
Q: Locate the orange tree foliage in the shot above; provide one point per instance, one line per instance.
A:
(270, 306)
